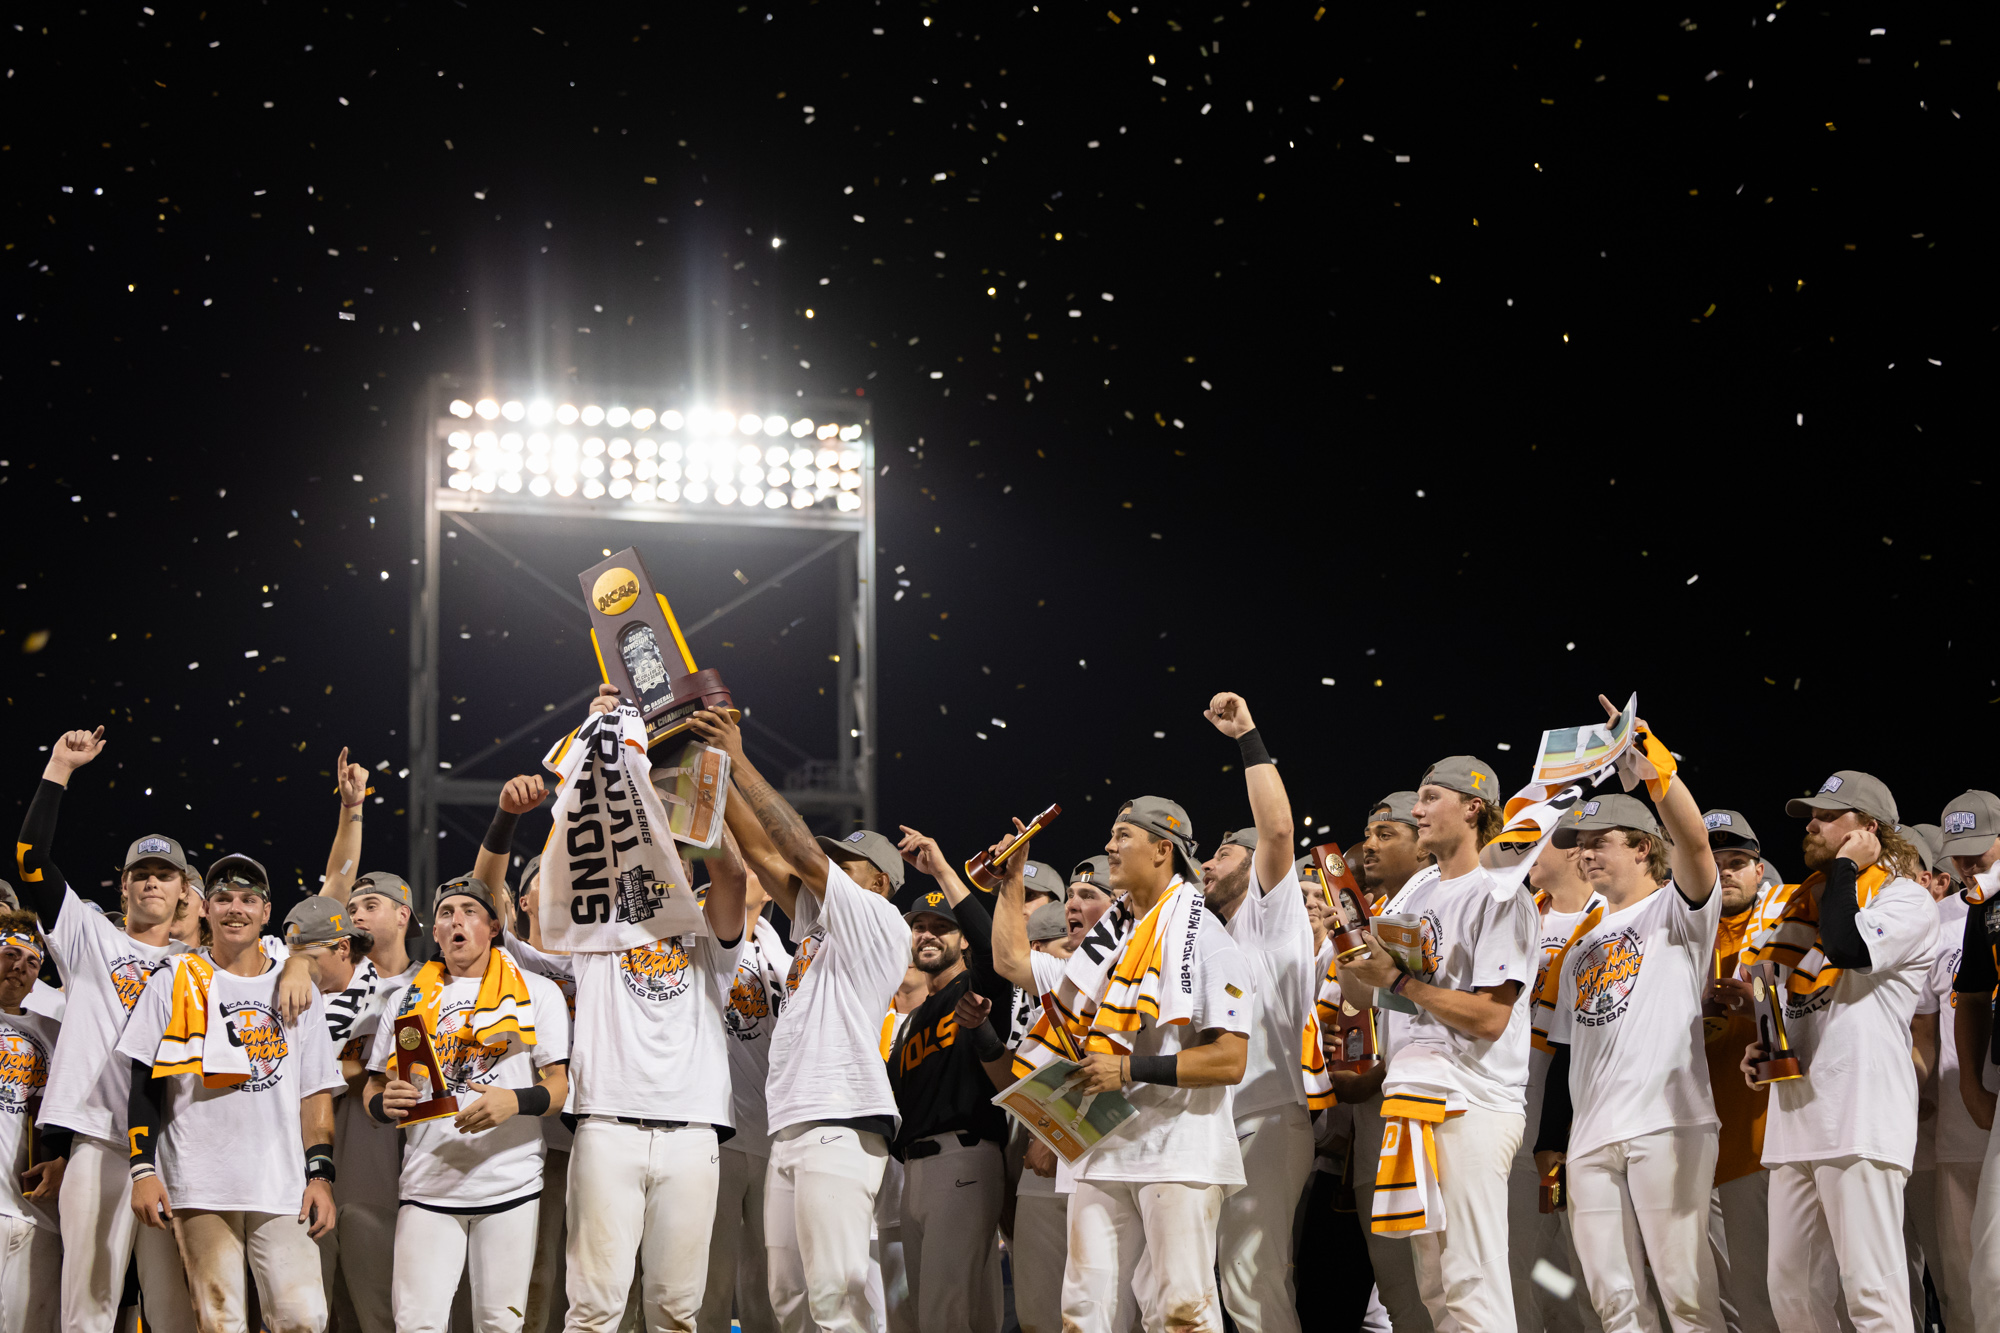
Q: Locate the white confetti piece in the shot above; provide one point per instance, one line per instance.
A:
(1553, 1280)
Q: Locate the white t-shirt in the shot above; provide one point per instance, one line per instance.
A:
(104, 971)
(1859, 1095)
(26, 1043)
(46, 1000)
(1556, 928)
(444, 1167)
(750, 1016)
(1275, 934)
(1628, 1005)
(1473, 939)
(1950, 1135)
(367, 1154)
(237, 1149)
(1185, 1134)
(649, 1041)
(826, 1060)
(1047, 972)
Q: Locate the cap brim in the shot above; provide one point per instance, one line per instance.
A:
(1729, 842)
(1972, 844)
(1805, 807)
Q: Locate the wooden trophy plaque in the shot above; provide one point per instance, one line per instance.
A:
(984, 869)
(1767, 1000)
(413, 1052)
(1343, 893)
(1555, 1188)
(1354, 1046)
(647, 657)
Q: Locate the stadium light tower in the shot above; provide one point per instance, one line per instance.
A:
(635, 455)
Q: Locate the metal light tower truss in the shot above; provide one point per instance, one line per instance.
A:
(622, 455)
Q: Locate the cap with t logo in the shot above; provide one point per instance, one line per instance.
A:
(1970, 823)
(1466, 776)
(1849, 789)
(1165, 819)
(318, 920)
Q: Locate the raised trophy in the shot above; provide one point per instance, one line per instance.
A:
(1767, 1001)
(413, 1052)
(640, 649)
(984, 869)
(1343, 893)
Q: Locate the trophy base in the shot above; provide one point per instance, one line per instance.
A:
(1348, 944)
(1776, 1071)
(691, 694)
(437, 1108)
(1552, 1200)
(1365, 1065)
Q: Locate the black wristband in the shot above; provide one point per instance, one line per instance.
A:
(1251, 743)
(375, 1111)
(56, 1142)
(986, 1043)
(533, 1101)
(500, 833)
(1161, 1069)
(319, 1162)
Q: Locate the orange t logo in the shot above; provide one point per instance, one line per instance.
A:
(133, 1136)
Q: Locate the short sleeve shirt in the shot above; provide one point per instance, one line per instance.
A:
(1275, 935)
(1475, 936)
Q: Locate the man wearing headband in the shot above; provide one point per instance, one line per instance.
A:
(1469, 1037)
(30, 1244)
(1627, 1103)
(1851, 949)
(105, 969)
(230, 1115)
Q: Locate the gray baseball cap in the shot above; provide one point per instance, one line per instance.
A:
(1931, 837)
(318, 920)
(155, 847)
(1615, 811)
(8, 896)
(1165, 819)
(870, 846)
(1921, 845)
(1729, 831)
(237, 871)
(1970, 823)
(529, 871)
(1398, 807)
(1467, 776)
(1243, 837)
(194, 881)
(1094, 870)
(1041, 877)
(389, 886)
(469, 886)
(1849, 789)
(1047, 922)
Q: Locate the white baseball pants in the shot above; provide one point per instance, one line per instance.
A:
(495, 1252)
(100, 1235)
(1957, 1196)
(548, 1278)
(1852, 1207)
(1462, 1272)
(1041, 1252)
(1579, 1300)
(30, 1277)
(819, 1204)
(738, 1272)
(1534, 1235)
(1392, 1257)
(1259, 1221)
(1920, 1239)
(645, 1195)
(1739, 1239)
(1646, 1201)
(951, 1221)
(358, 1260)
(279, 1253)
(1142, 1255)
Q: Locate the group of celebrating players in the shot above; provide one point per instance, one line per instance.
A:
(794, 1128)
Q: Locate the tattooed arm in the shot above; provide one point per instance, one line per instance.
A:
(774, 840)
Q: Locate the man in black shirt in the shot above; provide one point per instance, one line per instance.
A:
(951, 1135)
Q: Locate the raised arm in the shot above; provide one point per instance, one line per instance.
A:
(1687, 851)
(343, 861)
(41, 880)
(1010, 918)
(728, 884)
(1270, 807)
(922, 852)
(517, 798)
(787, 834)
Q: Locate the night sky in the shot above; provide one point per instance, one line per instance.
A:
(1417, 373)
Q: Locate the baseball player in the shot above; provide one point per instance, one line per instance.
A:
(368, 1155)
(1971, 841)
(830, 1108)
(471, 1185)
(30, 1244)
(231, 1116)
(1468, 1042)
(105, 968)
(1249, 882)
(1852, 945)
(738, 1274)
(189, 920)
(950, 1134)
(1628, 1104)
(1739, 1226)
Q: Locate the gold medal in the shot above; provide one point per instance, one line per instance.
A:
(408, 1039)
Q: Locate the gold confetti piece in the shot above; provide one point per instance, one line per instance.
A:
(1107, 13)
(35, 641)
(1711, 310)
(1322, 14)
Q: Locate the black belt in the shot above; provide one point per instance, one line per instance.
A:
(651, 1124)
(930, 1147)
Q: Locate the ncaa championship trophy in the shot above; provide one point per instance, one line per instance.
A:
(641, 651)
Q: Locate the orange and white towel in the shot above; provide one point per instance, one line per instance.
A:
(1409, 1183)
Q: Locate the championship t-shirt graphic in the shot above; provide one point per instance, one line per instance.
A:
(749, 1003)
(658, 971)
(462, 1061)
(1606, 973)
(24, 1069)
(129, 975)
(801, 961)
(255, 1028)
(1430, 930)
